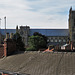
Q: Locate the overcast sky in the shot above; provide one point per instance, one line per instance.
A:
(48, 14)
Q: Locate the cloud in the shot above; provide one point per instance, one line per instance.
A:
(36, 13)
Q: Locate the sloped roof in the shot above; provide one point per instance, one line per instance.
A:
(7, 31)
(40, 63)
(51, 32)
(46, 32)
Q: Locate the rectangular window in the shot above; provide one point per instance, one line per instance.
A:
(64, 40)
(59, 40)
(48, 40)
(55, 40)
(51, 40)
(53, 37)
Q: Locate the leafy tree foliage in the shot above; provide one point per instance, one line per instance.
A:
(31, 48)
(19, 44)
(38, 34)
(37, 41)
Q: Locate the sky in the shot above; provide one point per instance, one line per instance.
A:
(44, 14)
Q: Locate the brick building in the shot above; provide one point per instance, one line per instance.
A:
(7, 48)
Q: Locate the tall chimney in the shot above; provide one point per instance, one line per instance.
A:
(11, 35)
(7, 35)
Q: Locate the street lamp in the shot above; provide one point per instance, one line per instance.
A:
(5, 24)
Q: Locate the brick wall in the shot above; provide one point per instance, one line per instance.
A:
(9, 46)
(1, 50)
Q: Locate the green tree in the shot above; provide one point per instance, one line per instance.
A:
(19, 44)
(39, 34)
(37, 41)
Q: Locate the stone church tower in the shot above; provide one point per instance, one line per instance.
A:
(72, 25)
(24, 32)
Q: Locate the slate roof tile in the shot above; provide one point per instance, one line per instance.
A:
(46, 32)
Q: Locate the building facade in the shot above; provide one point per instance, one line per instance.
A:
(24, 32)
(55, 36)
(72, 25)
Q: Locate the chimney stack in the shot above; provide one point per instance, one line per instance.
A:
(11, 35)
(7, 35)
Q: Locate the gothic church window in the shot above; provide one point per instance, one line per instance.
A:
(21, 32)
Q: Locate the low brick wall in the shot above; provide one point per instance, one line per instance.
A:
(11, 46)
